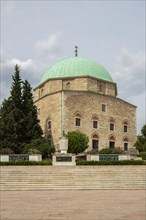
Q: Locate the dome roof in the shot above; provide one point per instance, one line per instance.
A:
(76, 67)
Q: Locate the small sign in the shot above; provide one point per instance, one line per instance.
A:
(63, 159)
(108, 157)
(18, 157)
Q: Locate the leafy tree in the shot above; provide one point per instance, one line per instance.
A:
(40, 144)
(140, 144)
(77, 142)
(31, 122)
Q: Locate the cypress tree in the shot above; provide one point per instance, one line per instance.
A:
(32, 127)
(12, 116)
(5, 123)
(18, 116)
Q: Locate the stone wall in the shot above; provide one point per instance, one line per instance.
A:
(79, 84)
(89, 104)
(50, 109)
(59, 100)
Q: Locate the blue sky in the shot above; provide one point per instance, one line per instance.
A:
(36, 34)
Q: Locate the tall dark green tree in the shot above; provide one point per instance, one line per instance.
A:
(18, 116)
(5, 123)
(32, 127)
(17, 111)
(12, 116)
(11, 122)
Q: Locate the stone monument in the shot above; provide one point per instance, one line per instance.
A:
(63, 158)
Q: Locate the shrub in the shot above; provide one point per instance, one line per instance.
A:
(6, 151)
(116, 150)
(143, 155)
(105, 151)
(33, 151)
(41, 145)
(116, 162)
(26, 163)
(93, 151)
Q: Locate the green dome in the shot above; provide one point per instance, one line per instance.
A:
(76, 67)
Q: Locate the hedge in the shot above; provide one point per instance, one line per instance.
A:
(120, 162)
(143, 155)
(26, 163)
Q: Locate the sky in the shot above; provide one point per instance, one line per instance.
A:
(37, 34)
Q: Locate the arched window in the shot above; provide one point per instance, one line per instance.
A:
(77, 120)
(126, 144)
(112, 142)
(94, 121)
(49, 124)
(125, 126)
(68, 85)
(95, 141)
(112, 124)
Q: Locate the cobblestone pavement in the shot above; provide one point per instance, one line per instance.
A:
(73, 205)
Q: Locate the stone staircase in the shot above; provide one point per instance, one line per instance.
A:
(72, 177)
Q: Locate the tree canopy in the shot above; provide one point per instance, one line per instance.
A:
(140, 144)
(19, 124)
(77, 142)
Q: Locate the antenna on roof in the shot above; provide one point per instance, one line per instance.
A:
(76, 51)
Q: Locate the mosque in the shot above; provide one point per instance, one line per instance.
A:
(78, 94)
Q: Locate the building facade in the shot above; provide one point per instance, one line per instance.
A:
(77, 94)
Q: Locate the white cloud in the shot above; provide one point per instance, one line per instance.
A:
(140, 102)
(32, 69)
(50, 46)
(23, 64)
(129, 73)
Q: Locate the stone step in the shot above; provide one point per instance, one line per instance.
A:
(77, 177)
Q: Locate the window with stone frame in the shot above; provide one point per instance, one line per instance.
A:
(125, 126)
(112, 142)
(126, 144)
(95, 122)
(112, 124)
(103, 107)
(77, 120)
(95, 141)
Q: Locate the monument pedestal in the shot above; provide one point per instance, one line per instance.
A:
(63, 158)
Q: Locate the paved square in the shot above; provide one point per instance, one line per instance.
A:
(73, 205)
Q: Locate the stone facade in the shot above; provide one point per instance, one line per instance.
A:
(89, 105)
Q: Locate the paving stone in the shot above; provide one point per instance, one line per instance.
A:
(73, 205)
